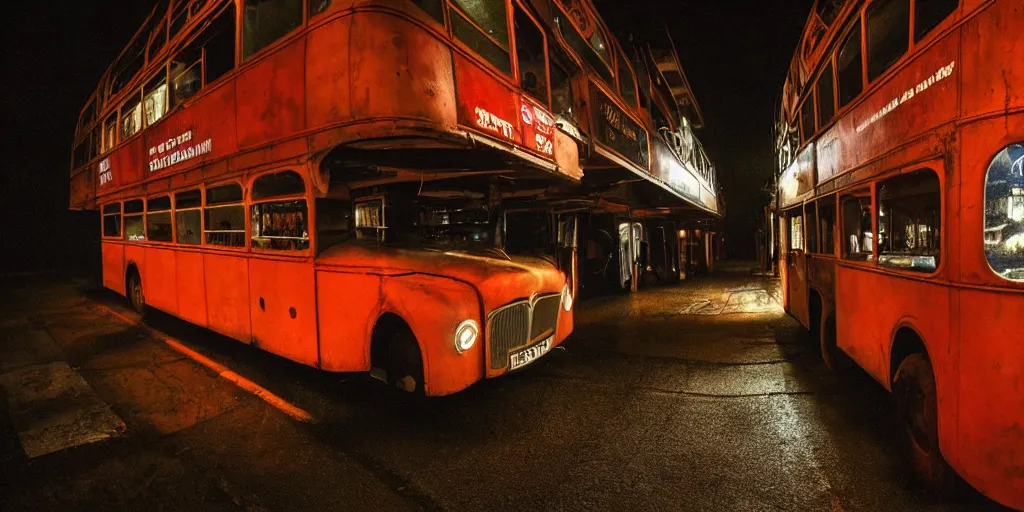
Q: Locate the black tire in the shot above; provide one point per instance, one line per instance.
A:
(405, 363)
(914, 389)
(133, 290)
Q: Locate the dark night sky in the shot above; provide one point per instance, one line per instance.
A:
(734, 55)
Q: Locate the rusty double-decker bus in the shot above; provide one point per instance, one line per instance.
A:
(901, 200)
(352, 185)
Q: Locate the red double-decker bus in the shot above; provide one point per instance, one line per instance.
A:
(355, 186)
(901, 201)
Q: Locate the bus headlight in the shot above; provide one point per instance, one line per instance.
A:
(566, 298)
(465, 335)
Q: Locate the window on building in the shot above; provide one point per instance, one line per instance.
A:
(480, 24)
(155, 98)
(533, 69)
(627, 83)
(112, 220)
(848, 64)
(888, 34)
(583, 48)
(1004, 213)
(796, 231)
(131, 116)
(826, 209)
(134, 224)
(213, 50)
(811, 221)
(562, 70)
(266, 21)
(110, 132)
(909, 221)
(807, 119)
(280, 225)
(224, 216)
(188, 217)
(929, 13)
(158, 219)
(826, 96)
(858, 239)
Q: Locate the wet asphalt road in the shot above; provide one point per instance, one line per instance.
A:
(698, 396)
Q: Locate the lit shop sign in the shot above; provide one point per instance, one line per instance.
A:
(617, 130)
(106, 175)
(909, 94)
(177, 150)
(493, 123)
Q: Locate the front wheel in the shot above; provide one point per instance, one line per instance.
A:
(135, 295)
(914, 389)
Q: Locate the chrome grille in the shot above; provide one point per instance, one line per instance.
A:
(545, 315)
(517, 324)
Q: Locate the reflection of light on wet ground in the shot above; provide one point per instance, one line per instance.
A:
(796, 448)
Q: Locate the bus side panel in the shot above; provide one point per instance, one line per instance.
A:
(227, 294)
(191, 287)
(136, 254)
(159, 279)
(992, 78)
(991, 437)
(348, 306)
(113, 266)
(328, 81)
(282, 301)
(270, 96)
(433, 307)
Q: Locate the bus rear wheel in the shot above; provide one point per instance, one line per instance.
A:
(405, 363)
(135, 295)
(914, 389)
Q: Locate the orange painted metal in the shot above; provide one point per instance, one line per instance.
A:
(950, 104)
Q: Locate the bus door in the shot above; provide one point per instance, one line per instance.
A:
(796, 265)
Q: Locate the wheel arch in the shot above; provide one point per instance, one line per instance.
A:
(906, 340)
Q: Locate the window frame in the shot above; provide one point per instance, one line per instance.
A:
(807, 137)
(120, 221)
(937, 169)
(926, 37)
(200, 208)
(844, 253)
(513, 73)
(141, 214)
(830, 251)
(997, 278)
(827, 62)
(245, 218)
(241, 58)
(858, 23)
(514, 43)
(169, 211)
(620, 58)
(865, 54)
(305, 196)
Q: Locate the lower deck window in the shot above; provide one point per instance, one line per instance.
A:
(112, 220)
(280, 225)
(158, 219)
(858, 239)
(134, 224)
(1004, 213)
(796, 232)
(909, 221)
(224, 216)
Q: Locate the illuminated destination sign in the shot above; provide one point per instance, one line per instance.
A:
(617, 130)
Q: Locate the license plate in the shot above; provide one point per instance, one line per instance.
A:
(529, 354)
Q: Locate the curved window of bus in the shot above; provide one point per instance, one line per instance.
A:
(266, 21)
(533, 69)
(158, 219)
(826, 213)
(112, 220)
(888, 34)
(213, 51)
(155, 98)
(131, 116)
(1004, 213)
(562, 70)
(848, 67)
(584, 49)
(110, 132)
(627, 81)
(281, 223)
(807, 119)
(929, 13)
(188, 217)
(858, 239)
(910, 221)
(134, 224)
(482, 26)
(825, 88)
(224, 216)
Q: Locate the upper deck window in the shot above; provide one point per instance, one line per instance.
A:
(131, 116)
(627, 83)
(155, 98)
(562, 70)
(1004, 213)
(266, 21)
(909, 221)
(851, 76)
(807, 118)
(599, 60)
(213, 51)
(929, 13)
(482, 26)
(888, 34)
(110, 132)
(435, 8)
(825, 89)
(533, 69)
